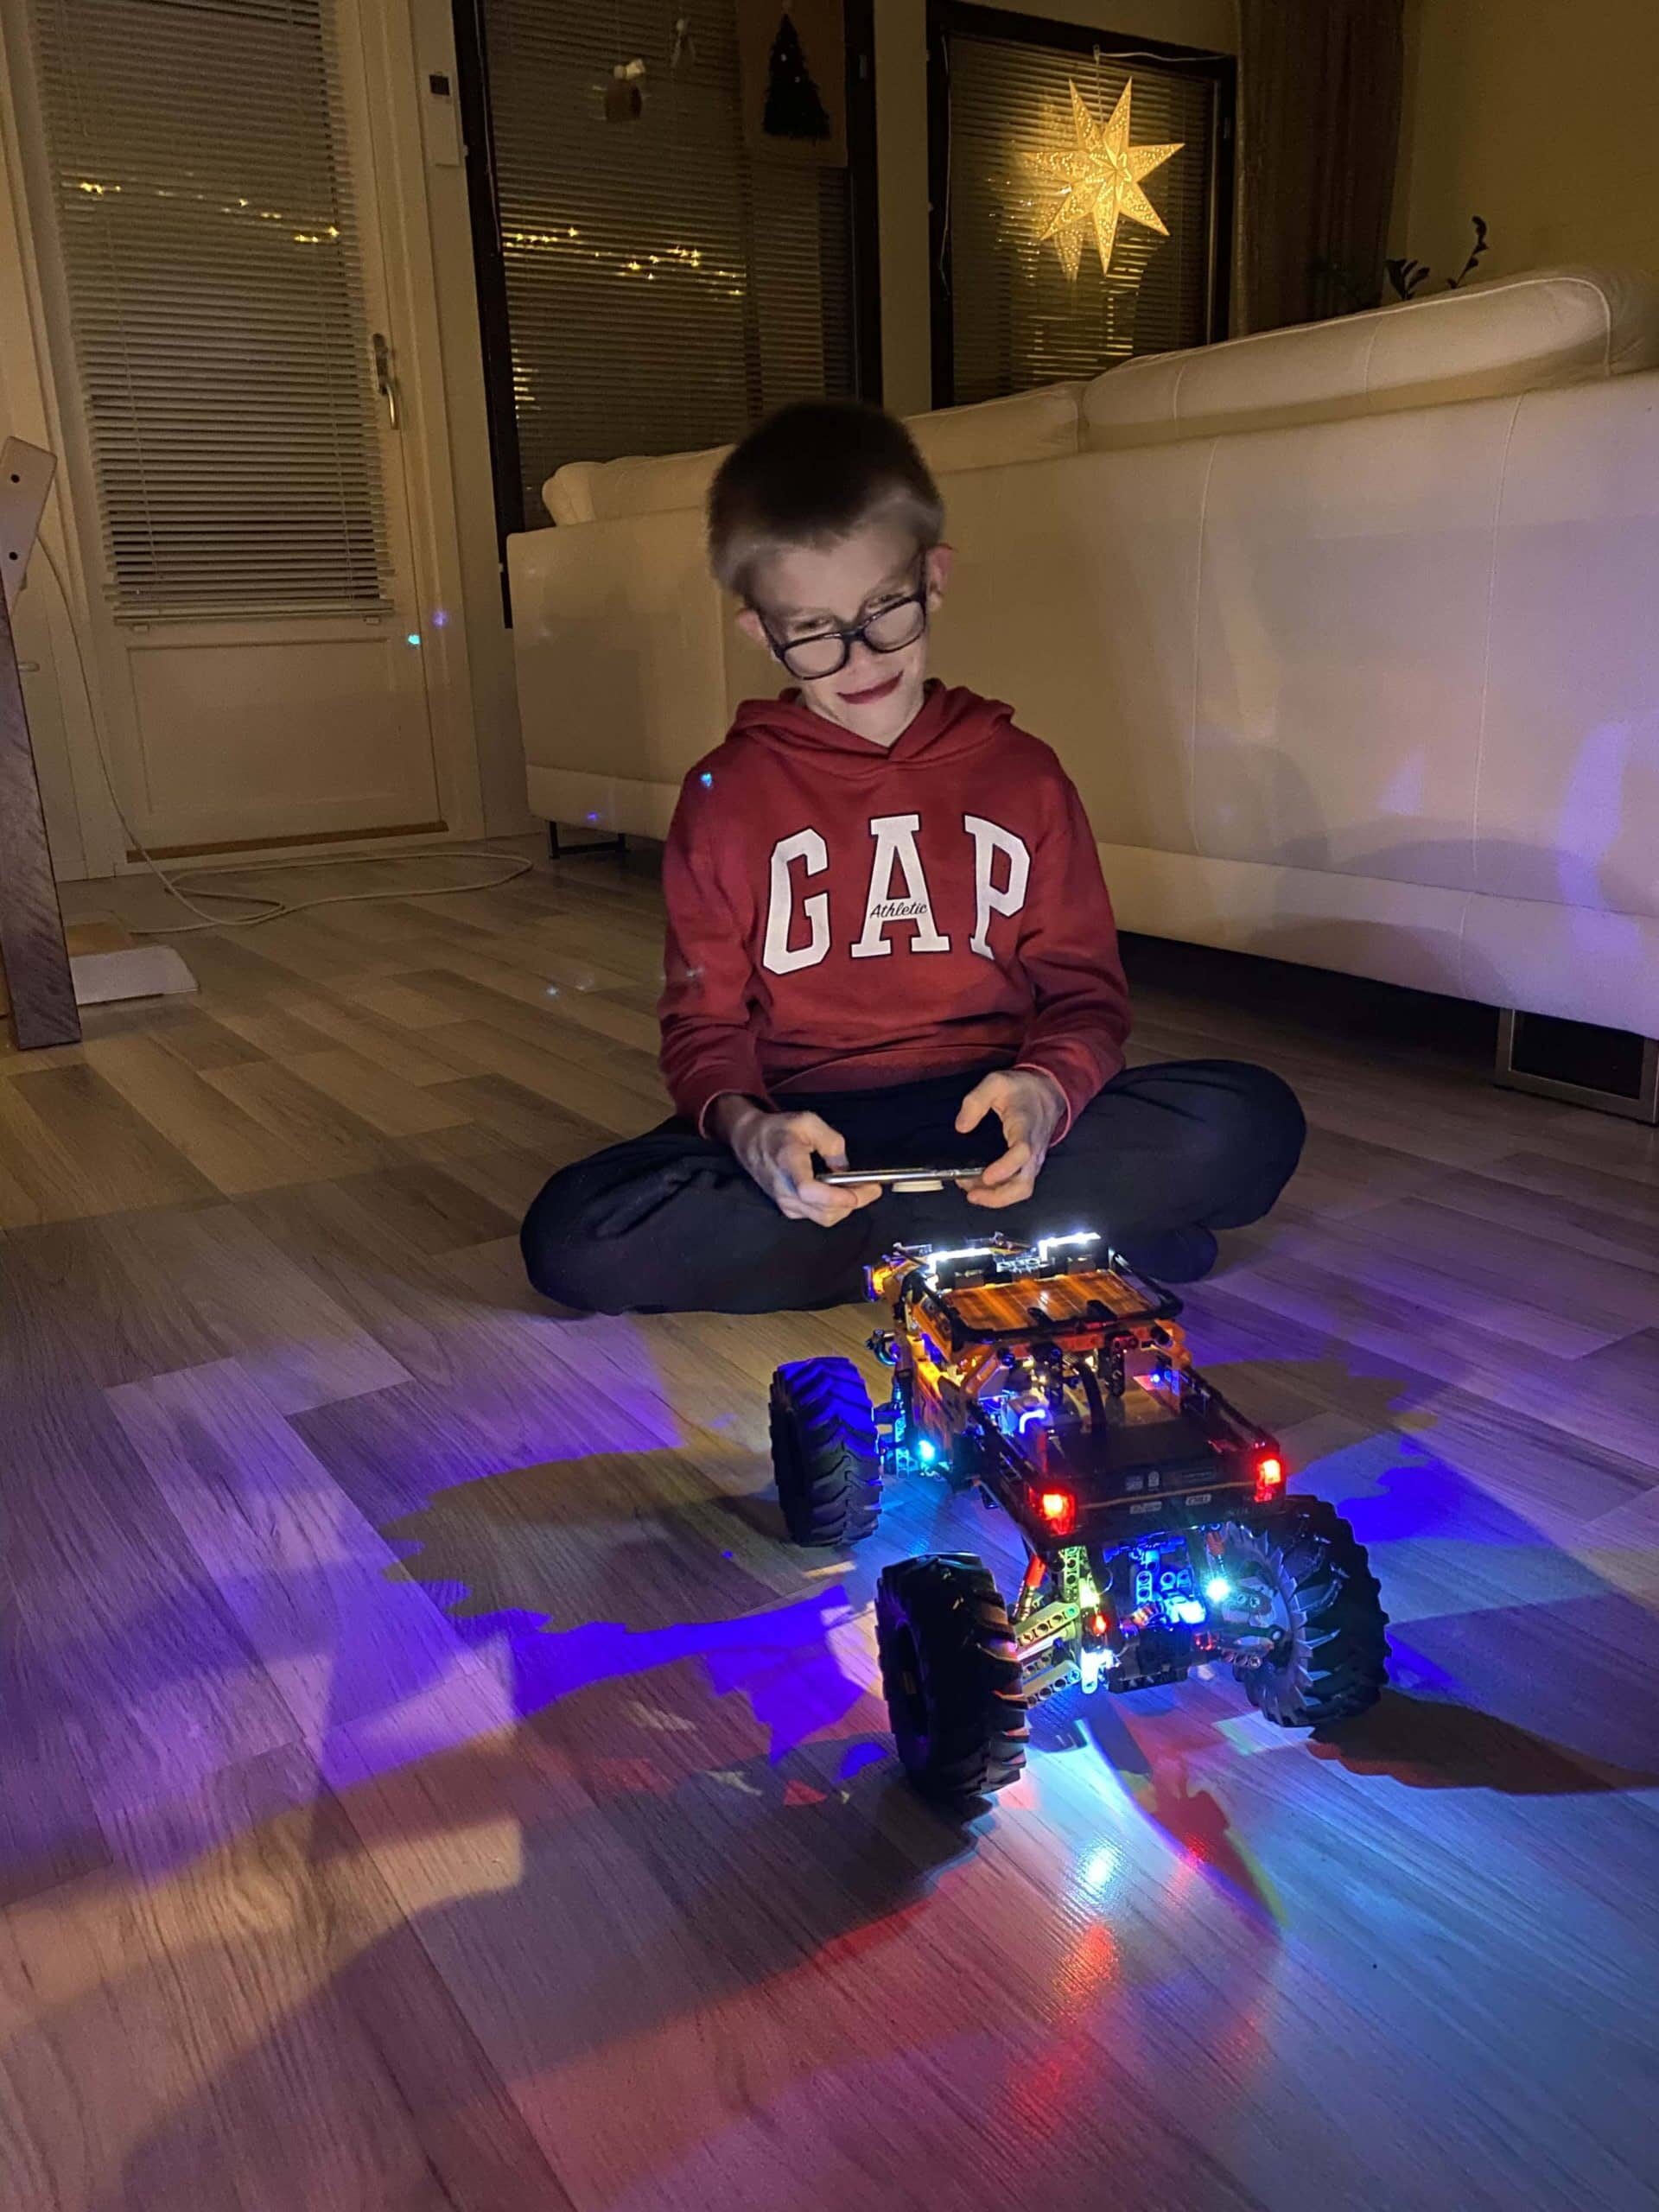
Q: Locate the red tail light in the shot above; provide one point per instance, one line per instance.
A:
(1269, 1478)
(1059, 1509)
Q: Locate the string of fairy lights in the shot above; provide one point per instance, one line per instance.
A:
(567, 240)
(646, 266)
(315, 233)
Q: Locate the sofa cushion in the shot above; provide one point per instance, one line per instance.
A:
(605, 491)
(1518, 334)
(1028, 426)
(1038, 425)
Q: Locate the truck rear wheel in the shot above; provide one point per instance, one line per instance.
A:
(823, 1451)
(951, 1673)
(1328, 1659)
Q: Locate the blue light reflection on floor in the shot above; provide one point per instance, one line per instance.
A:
(782, 1661)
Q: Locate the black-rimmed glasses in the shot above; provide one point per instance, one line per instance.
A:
(826, 652)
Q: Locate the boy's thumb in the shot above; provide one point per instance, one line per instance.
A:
(829, 1145)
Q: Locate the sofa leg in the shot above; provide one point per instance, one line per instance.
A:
(1609, 1071)
(556, 851)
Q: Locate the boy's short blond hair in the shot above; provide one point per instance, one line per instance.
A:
(812, 474)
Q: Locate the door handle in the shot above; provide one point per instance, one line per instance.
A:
(386, 382)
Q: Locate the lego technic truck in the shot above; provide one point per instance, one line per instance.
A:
(1054, 1380)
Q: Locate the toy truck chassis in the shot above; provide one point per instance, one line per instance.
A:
(1158, 1528)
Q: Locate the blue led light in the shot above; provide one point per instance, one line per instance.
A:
(1031, 1415)
(925, 1453)
(706, 779)
(414, 637)
(1189, 1610)
(1218, 1588)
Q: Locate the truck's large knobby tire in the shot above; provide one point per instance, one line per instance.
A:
(951, 1674)
(1331, 1659)
(823, 1451)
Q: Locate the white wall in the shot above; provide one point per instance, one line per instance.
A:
(1538, 117)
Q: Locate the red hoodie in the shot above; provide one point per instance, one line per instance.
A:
(843, 918)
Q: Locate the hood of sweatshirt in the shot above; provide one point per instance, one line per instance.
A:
(949, 724)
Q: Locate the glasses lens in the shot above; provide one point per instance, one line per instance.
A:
(895, 627)
(814, 657)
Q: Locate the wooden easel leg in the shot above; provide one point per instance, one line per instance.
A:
(31, 924)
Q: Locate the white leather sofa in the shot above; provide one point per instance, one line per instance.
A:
(1348, 636)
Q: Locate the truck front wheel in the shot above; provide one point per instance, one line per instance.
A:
(951, 1673)
(823, 1451)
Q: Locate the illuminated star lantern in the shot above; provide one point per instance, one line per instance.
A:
(1099, 178)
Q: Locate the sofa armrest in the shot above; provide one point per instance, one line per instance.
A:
(617, 643)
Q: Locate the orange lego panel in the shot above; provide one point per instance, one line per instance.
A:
(982, 1308)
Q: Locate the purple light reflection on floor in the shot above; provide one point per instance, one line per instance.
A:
(389, 1703)
(859, 1756)
(1393, 1488)
(782, 1661)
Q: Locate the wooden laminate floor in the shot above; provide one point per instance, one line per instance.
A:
(426, 1780)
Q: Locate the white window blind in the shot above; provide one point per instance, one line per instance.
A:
(665, 286)
(1016, 319)
(196, 150)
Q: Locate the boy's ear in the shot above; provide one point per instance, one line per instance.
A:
(940, 562)
(752, 628)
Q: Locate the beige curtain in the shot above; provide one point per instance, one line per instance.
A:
(1319, 130)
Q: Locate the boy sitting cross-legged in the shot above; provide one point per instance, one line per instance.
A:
(888, 944)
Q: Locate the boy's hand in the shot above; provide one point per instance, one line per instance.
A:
(1030, 1108)
(777, 1149)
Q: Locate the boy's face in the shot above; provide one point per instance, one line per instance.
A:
(801, 593)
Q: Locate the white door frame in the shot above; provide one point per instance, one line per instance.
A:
(389, 74)
(39, 384)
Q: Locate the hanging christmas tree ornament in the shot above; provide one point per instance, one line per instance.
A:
(625, 96)
(1099, 178)
(794, 106)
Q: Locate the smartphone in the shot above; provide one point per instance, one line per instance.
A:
(903, 1179)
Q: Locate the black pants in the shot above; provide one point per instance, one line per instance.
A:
(669, 1222)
